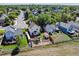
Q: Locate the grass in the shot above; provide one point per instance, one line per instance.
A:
(60, 37)
(2, 32)
(23, 41)
(8, 47)
(73, 42)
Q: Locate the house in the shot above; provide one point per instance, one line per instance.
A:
(35, 12)
(57, 9)
(2, 19)
(49, 28)
(9, 38)
(2, 22)
(74, 25)
(34, 29)
(66, 28)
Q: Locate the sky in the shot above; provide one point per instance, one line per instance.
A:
(75, 2)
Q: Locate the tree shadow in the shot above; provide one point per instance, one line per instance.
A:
(15, 51)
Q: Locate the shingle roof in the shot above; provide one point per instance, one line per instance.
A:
(65, 25)
(18, 32)
(9, 35)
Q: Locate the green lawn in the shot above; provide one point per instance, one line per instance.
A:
(2, 32)
(60, 37)
(23, 41)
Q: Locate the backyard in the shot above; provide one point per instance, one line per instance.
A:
(9, 48)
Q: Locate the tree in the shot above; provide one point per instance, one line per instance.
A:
(7, 21)
(68, 17)
(56, 16)
(26, 15)
(43, 19)
(13, 15)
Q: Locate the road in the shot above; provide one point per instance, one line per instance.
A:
(19, 22)
(66, 50)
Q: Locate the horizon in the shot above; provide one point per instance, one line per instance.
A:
(72, 4)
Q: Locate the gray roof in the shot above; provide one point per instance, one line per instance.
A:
(10, 28)
(18, 32)
(3, 16)
(65, 25)
(33, 25)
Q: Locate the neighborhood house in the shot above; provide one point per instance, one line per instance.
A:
(75, 26)
(49, 28)
(2, 19)
(34, 29)
(66, 28)
(9, 38)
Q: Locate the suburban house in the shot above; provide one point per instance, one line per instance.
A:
(9, 38)
(74, 25)
(35, 12)
(34, 29)
(49, 28)
(10, 35)
(66, 28)
(2, 19)
(57, 9)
